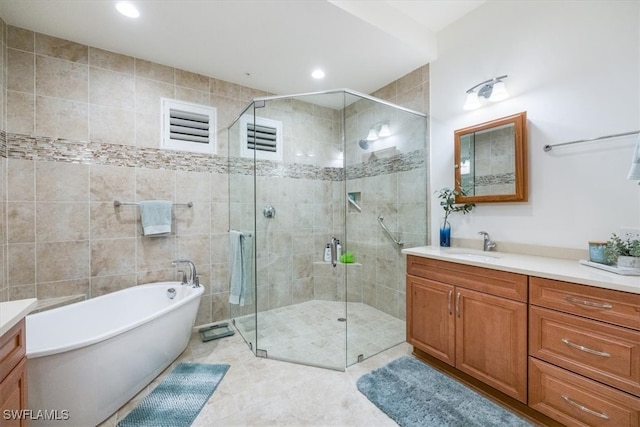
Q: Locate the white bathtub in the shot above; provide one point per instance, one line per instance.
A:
(89, 358)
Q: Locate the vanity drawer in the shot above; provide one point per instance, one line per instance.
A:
(619, 308)
(600, 351)
(577, 401)
(494, 282)
(12, 348)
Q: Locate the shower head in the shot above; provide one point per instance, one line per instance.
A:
(364, 144)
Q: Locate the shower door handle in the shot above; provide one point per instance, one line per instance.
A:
(334, 252)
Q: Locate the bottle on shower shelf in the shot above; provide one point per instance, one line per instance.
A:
(327, 253)
(338, 249)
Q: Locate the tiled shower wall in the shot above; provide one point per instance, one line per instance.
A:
(82, 129)
(308, 194)
(4, 292)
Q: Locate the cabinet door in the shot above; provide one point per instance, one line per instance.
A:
(13, 396)
(491, 341)
(430, 319)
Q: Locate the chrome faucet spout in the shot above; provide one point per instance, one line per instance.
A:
(192, 270)
(488, 244)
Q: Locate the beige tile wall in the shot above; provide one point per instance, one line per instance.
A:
(310, 211)
(63, 234)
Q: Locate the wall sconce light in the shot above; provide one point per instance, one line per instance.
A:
(493, 89)
(384, 130)
(379, 130)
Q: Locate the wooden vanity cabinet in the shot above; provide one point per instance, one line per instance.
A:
(472, 318)
(584, 346)
(13, 375)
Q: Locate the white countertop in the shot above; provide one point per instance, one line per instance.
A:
(550, 268)
(11, 312)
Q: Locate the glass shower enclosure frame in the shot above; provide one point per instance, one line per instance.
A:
(305, 169)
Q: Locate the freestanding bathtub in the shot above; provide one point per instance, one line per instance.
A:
(85, 360)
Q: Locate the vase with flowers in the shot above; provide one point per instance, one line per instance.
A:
(447, 198)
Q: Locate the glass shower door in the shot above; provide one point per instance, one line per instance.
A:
(328, 165)
(242, 311)
(301, 298)
(385, 182)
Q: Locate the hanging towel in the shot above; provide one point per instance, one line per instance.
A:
(241, 271)
(155, 216)
(634, 172)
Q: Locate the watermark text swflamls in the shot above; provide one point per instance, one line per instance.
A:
(40, 414)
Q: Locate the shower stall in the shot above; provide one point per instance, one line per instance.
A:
(303, 170)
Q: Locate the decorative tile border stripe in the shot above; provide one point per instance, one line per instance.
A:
(60, 150)
(3, 144)
(94, 153)
(503, 178)
(398, 163)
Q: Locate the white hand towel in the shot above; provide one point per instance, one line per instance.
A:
(155, 216)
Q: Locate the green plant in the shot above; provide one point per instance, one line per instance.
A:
(616, 247)
(447, 198)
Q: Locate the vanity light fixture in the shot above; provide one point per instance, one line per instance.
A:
(127, 9)
(372, 135)
(493, 89)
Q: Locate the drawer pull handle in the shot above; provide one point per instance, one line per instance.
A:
(588, 303)
(449, 302)
(585, 349)
(584, 408)
(458, 304)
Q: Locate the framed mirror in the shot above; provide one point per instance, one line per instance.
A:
(491, 161)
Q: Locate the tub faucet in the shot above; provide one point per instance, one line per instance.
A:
(192, 271)
(489, 244)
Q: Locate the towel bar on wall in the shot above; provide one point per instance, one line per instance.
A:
(550, 147)
(117, 203)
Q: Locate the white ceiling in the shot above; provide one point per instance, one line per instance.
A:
(269, 45)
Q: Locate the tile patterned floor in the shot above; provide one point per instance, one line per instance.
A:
(311, 332)
(259, 391)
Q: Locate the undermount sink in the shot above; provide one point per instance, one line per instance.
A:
(472, 255)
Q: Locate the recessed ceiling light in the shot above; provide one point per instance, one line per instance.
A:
(318, 74)
(127, 9)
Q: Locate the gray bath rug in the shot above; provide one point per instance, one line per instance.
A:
(414, 394)
(178, 399)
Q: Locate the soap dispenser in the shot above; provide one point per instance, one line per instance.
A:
(327, 253)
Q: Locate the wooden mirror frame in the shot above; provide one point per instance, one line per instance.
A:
(520, 156)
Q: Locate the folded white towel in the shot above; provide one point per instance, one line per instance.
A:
(155, 216)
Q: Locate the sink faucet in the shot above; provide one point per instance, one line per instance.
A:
(489, 244)
(192, 271)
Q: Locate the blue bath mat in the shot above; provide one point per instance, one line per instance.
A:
(414, 394)
(178, 399)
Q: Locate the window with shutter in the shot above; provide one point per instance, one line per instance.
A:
(260, 137)
(188, 127)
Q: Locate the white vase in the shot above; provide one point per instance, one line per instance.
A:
(628, 262)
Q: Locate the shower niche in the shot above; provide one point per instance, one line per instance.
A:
(327, 184)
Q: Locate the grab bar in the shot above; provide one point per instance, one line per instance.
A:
(353, 202)
(400, 243)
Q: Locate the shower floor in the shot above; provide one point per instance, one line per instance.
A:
(312, 333)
